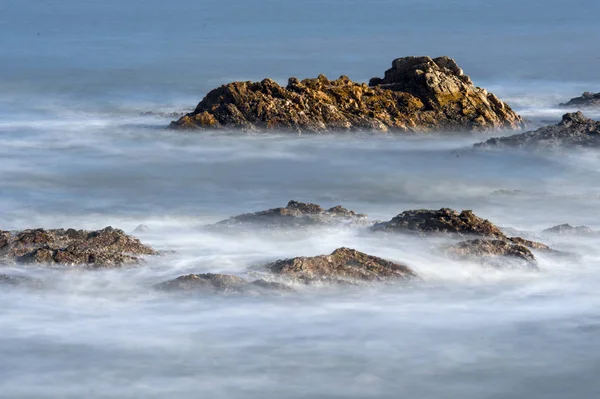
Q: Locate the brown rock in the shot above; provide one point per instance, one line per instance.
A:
(224, 284)
(492, 252)
(443, 221)
(342, 265)
(453, 223)
(575, 130)
(296, 214)
(529, 244)
(417, 94)
(102, 248)
(209, 282)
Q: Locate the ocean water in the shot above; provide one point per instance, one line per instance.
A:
(75, 151)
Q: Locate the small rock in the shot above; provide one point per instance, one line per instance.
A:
(586, 100)
(443, 221)
(163, 114)
(296, 214)
(575, 130)
(223, 284)
(492, 252)
(108, 247)
(567, 229)
(342, 265)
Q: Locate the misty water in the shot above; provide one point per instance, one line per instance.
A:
(75, 151)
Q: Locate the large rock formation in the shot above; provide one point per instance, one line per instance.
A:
(416, 94)
(586, 100)
(342, 265)
(102, 248)
(575, 130)
(496, 253)
(296, 214)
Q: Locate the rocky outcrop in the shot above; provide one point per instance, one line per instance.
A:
(416, 94)
(496, 253)
(575, 130)
(296, 214)
(567, 229)
(102, 248)
(341, 266)
(586, 100)
(223, 284)
(442, 221)
(455, 224)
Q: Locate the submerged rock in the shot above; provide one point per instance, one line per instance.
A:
(142, 228)
(224, 284)
(296, 214)
(342, 265)
(163, 114)
(108, 247)
(586, 100)
(416, 94)
(442, 221)
(19, 281)
(567, 229)
(492, 252)
(575, 130)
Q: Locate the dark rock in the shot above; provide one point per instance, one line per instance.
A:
(443, 221)
(19, 281)
(223, 284)
(492, 252)
(342, 265)
(575, 130)
(453, 223)
(567, 229)
(417, 94)
(296, 214)
(586, 100)
(102, 248)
